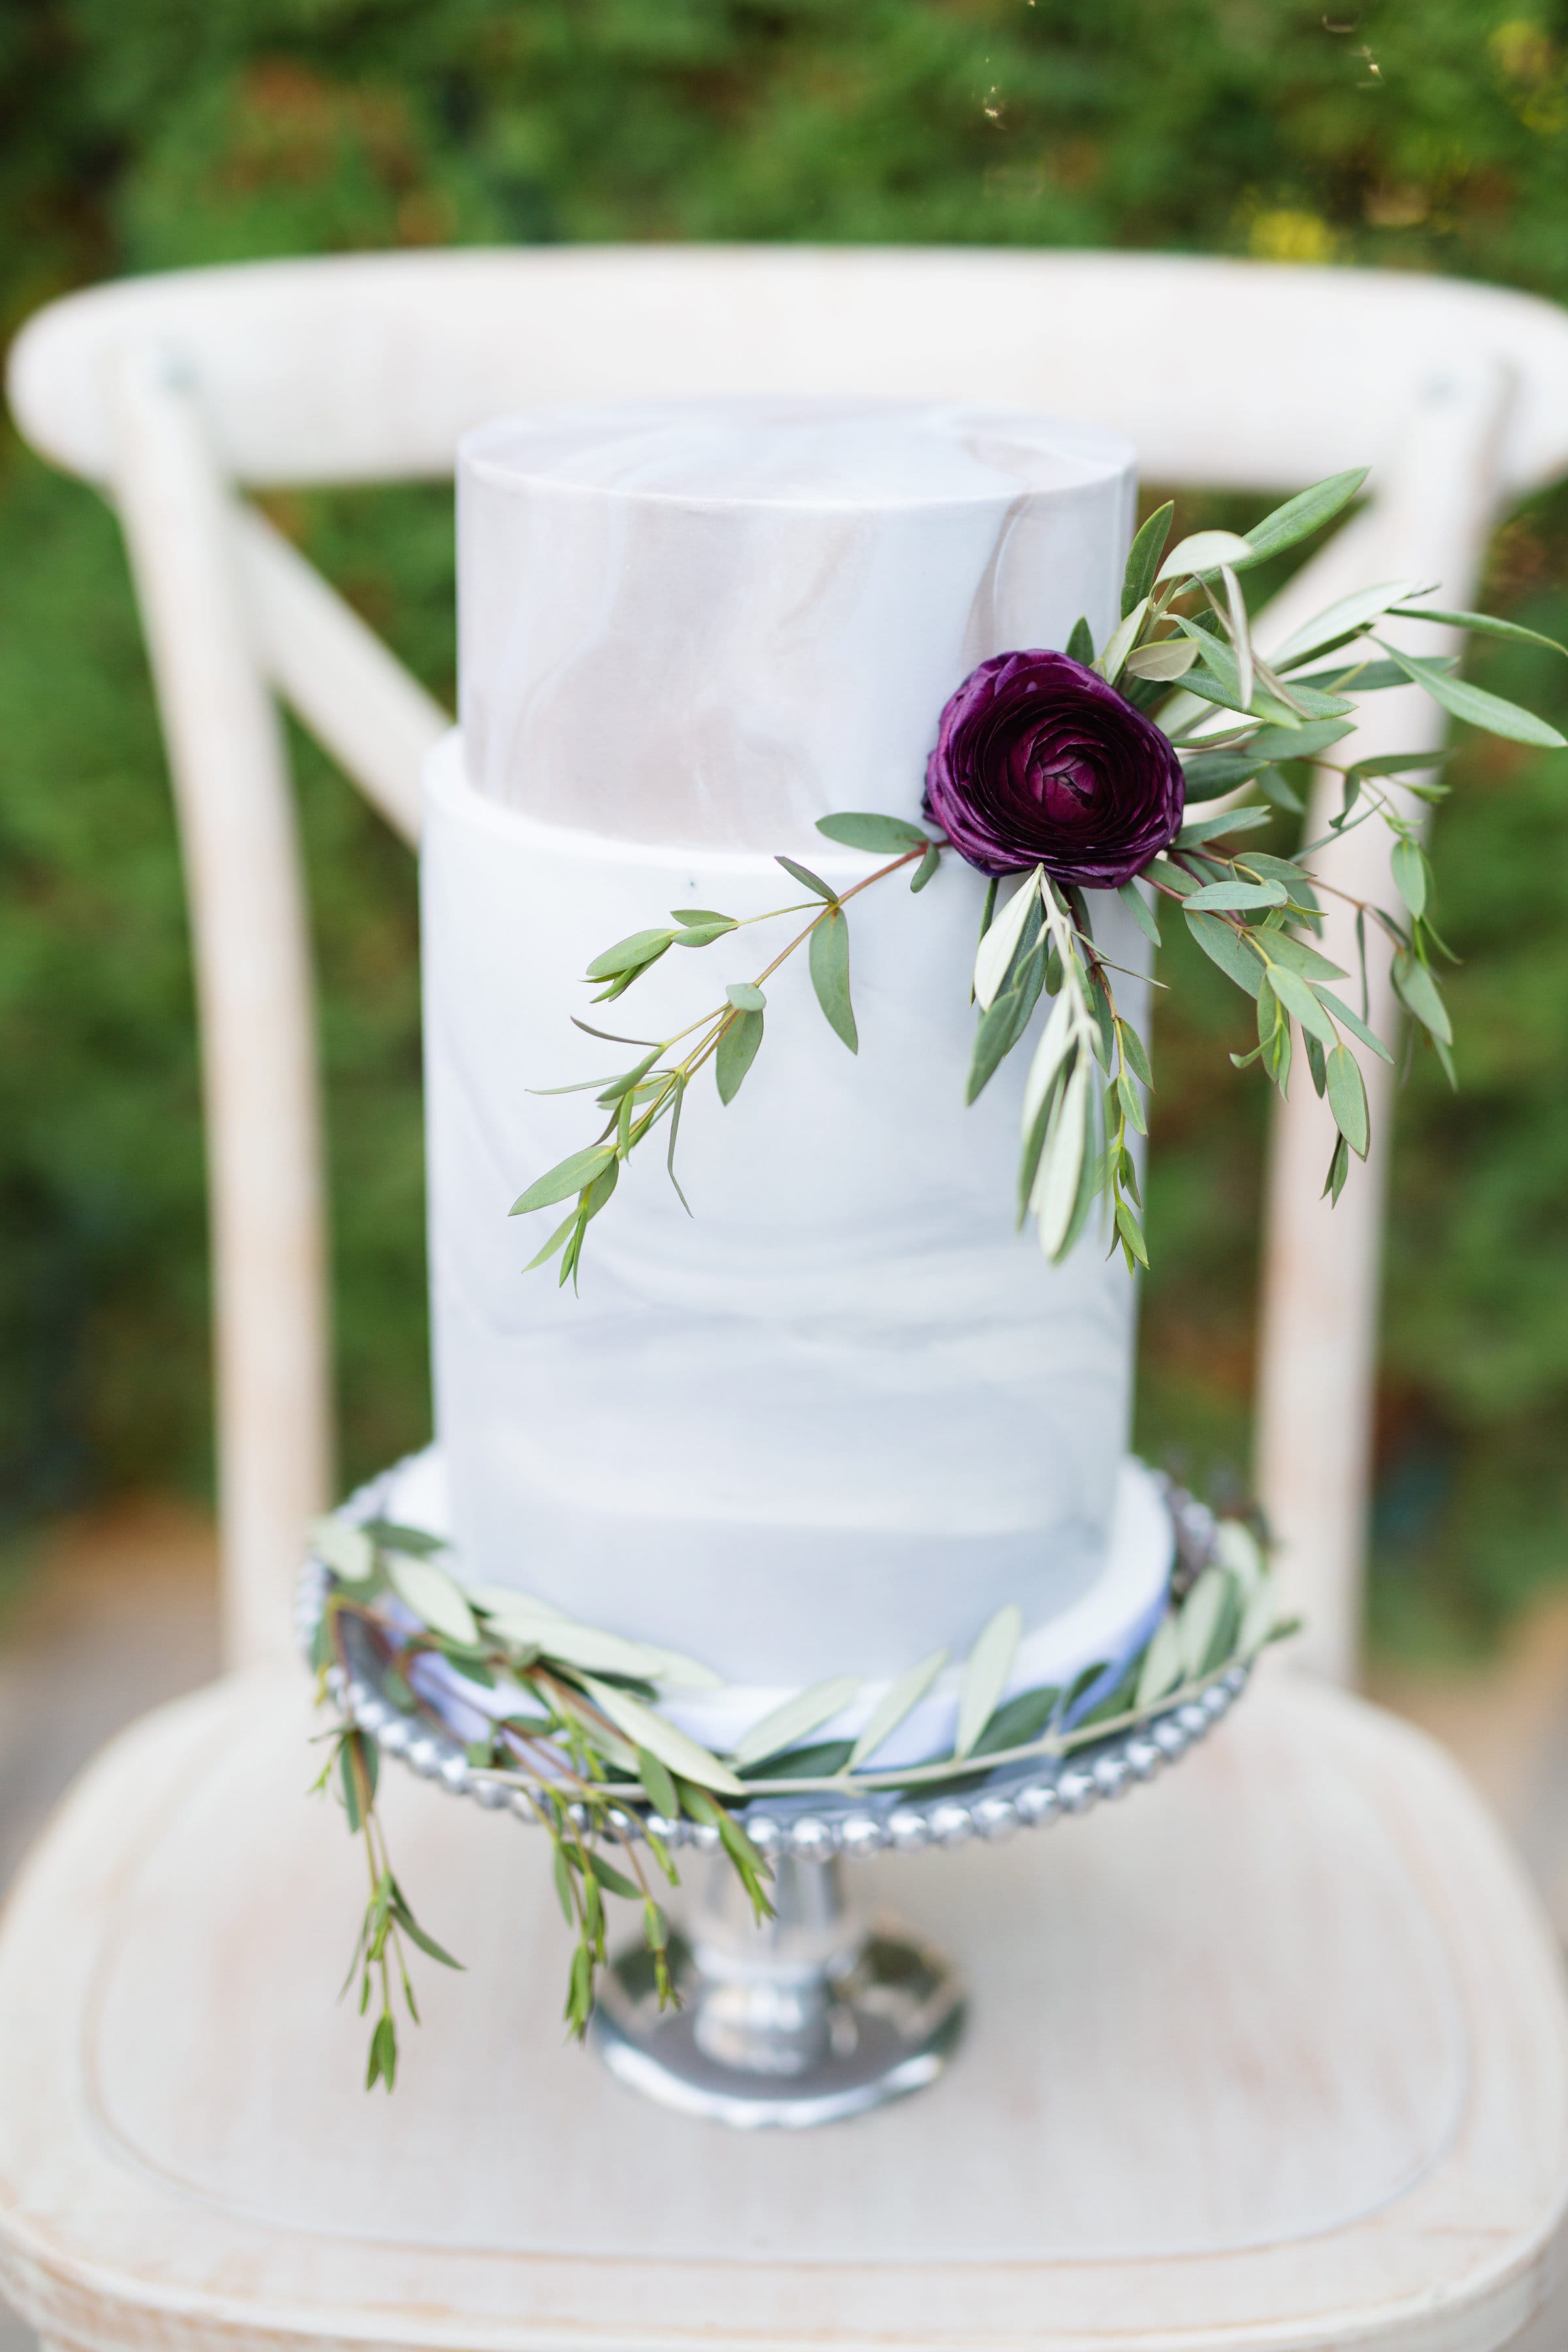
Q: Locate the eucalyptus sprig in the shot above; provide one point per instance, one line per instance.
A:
(730, 1036)
(1184, 656)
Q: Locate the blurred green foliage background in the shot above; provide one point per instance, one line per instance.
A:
(1424, 134)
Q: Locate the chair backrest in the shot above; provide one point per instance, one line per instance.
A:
(169, 391)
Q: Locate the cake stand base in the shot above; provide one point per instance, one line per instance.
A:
(803, 2020)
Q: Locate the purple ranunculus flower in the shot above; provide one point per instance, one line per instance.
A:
(1039, 762)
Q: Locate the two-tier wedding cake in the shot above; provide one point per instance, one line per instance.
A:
(835, 1416)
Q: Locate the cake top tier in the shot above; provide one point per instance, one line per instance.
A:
(841, 454)
(713, 621)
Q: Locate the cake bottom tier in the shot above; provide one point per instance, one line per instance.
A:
(1103, 1627)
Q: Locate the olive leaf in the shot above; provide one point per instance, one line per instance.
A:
(347, 1550)
(1056, 1188)
(1220, 680)
(985, 1675)
(655, 1776)
(1476, 705)
(1205, 551)
(1165, 661)
(1121, 641)
(1018, 1721)
(789, 1723)
(1161, 1668)
(1057, 1040)
(1344, 618)
(1482, 624)
(897, 1701)
(1234, 897)
(1004, 1022)
(1199, 1618)
(1240, 631)
(998, 942)
(1259, 1618)
(1306, 742)
(644, 1728)
(435, 1598)
(1299, 517)
(1143, 557)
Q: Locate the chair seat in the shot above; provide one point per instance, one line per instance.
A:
(1275, 2055)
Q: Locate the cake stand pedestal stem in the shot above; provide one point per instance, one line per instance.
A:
(800, 2019)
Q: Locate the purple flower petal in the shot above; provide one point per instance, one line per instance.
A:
(1039, 762)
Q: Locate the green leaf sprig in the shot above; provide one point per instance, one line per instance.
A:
(730, 1036)
(1183, 653)
(1255, 914)
(1077, 1120)
(585, 1738)
(583, 1734)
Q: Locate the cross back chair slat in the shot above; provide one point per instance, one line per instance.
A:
(175, 392)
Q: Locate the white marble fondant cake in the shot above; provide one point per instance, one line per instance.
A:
(838, 1415)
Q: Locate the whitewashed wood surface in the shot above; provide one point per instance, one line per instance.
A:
(1272, 2055)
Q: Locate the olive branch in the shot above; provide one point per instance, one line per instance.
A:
(582, 1740)
(1183, 653)
(582, 1736)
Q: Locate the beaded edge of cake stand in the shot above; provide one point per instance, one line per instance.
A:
(807, 1828)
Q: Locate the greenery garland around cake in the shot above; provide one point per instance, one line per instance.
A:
(1140, 769)
(579, 1735)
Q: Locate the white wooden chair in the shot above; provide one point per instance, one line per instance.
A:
(1278, 2057)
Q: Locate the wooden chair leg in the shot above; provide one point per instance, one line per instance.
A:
(254, 990)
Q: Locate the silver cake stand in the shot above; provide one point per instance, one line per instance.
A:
(820, 2013)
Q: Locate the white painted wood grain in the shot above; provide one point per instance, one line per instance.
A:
(362, 367)
(336, 675)
(1272, 2055)
(245, 888)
